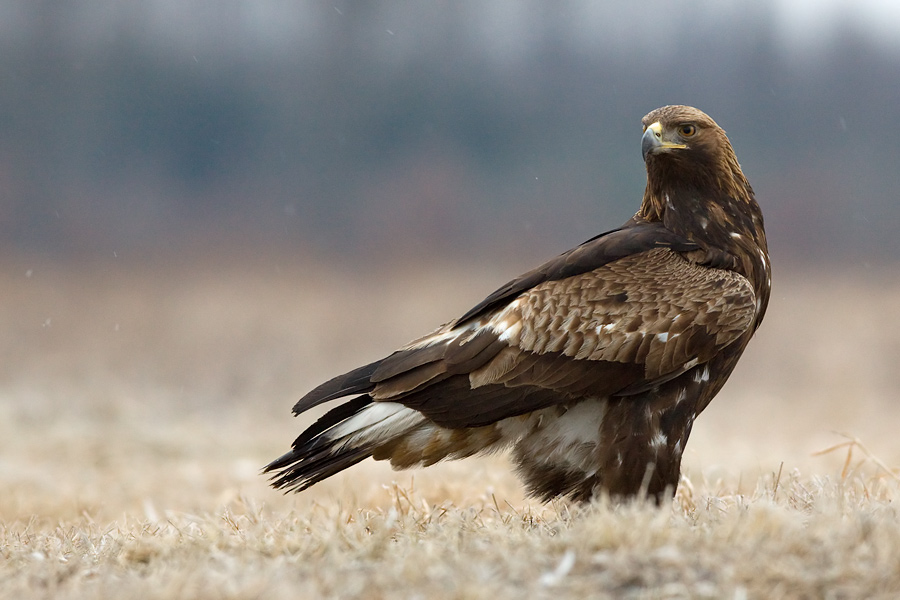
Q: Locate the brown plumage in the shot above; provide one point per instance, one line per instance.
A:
(592, 367)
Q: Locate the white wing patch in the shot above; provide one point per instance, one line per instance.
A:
(509, 332)
(507, 323)
(445, 334)
(606, 327)
(659, 441)
(377, 423)
(702, 376)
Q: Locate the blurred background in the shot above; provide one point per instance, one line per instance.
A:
(379, 128)
(207, 208)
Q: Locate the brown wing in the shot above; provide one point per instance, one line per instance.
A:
(633, 237)
(440, 354)
(620, 329)
(655, 309)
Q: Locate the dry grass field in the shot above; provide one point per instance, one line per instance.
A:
(138, 402)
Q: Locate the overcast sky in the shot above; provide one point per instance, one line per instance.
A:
(803, 26)
(135, 121)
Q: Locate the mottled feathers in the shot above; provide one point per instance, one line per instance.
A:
(592, 367)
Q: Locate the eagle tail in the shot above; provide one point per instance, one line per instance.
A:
(372, 424)
(342, 437)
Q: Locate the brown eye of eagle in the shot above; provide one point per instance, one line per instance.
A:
(687, 130)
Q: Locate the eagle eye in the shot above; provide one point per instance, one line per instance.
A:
(687, 130)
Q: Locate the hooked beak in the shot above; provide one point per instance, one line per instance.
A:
(653, 141)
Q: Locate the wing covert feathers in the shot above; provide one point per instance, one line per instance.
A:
(656, 309)
(633, 238)
(637, 321)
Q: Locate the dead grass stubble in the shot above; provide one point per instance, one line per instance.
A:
(794, 538)
(137, 407)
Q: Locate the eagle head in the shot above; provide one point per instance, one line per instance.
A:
(685, 137)
(689, 159)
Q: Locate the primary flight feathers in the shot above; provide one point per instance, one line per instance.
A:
(592, 367)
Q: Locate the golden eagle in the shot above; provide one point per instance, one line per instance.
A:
(592, 367)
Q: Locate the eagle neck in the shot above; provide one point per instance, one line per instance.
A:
(706, 213)
(730, 229)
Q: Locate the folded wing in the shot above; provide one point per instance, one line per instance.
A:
(634, 316)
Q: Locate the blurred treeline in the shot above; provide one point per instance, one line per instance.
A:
(415, 127)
